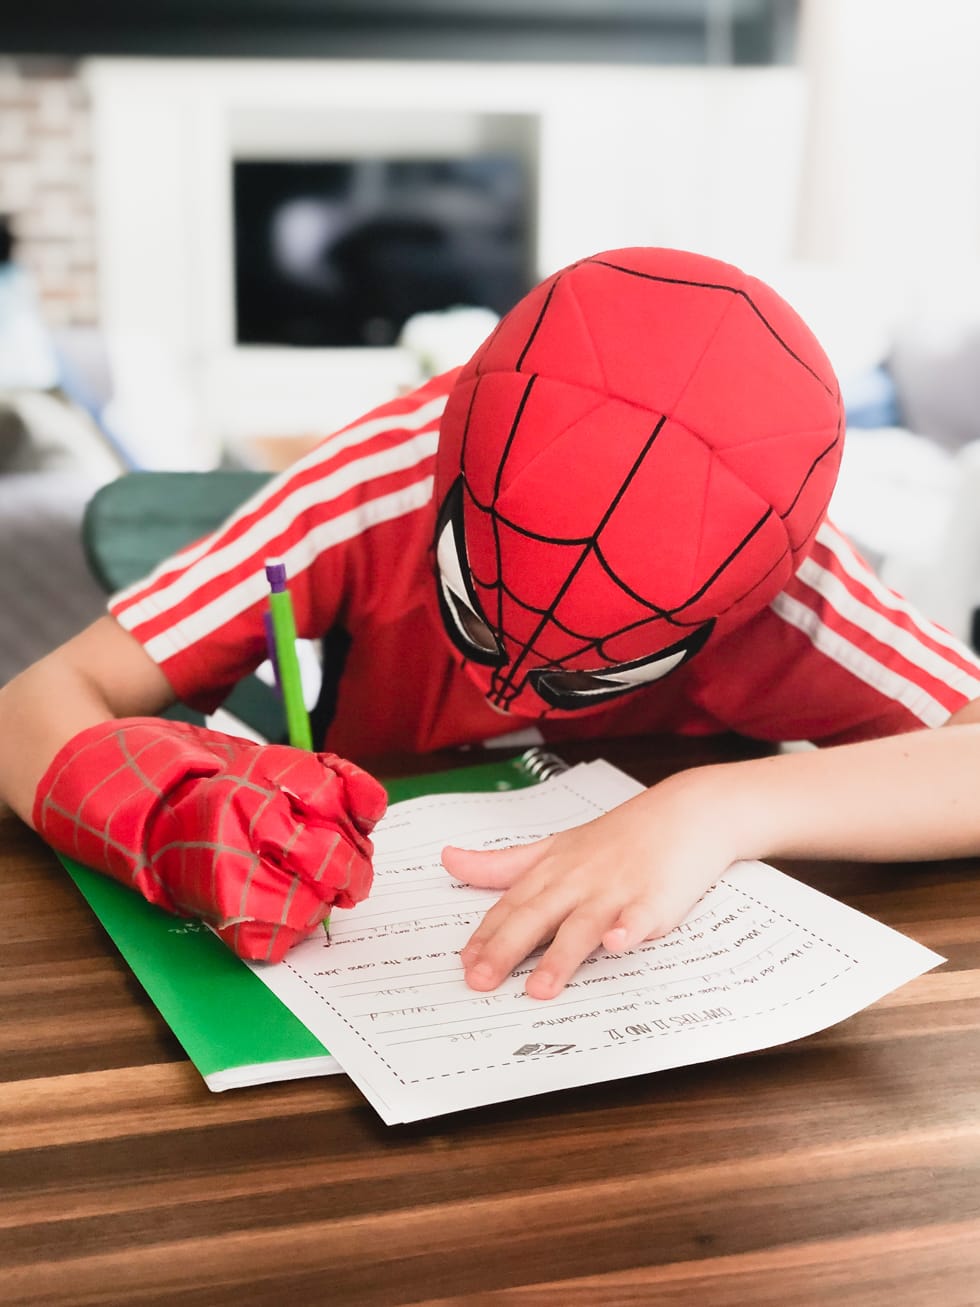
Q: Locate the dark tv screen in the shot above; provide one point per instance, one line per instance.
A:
(343, 253)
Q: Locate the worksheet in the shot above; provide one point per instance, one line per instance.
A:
(760, 960)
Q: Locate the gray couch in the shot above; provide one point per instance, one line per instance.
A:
(53, 457)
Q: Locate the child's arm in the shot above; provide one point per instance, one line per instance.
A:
(260, 841)
(637, 871)
(100, 674)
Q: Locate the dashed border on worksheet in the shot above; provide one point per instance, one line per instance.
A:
(592, 1048)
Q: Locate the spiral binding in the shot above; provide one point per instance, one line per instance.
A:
(541, 764)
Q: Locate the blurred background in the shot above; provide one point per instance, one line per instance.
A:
(234, 225)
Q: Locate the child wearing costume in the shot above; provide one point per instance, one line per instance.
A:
(612, 520)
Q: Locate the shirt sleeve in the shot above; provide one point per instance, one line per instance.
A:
(839, 657)
(199, 614)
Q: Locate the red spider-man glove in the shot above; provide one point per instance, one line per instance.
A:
(260, 841)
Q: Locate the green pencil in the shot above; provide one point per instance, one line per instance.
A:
(287, 663)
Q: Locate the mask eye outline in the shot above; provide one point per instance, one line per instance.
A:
(461, 612)
(546, 681)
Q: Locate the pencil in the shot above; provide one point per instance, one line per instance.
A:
(285, 664)
(286, 661)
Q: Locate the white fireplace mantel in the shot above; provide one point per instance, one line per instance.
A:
(694, 157)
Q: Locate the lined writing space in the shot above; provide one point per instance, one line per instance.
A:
(761, 959)
(413, 892)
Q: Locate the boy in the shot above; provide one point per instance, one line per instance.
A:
(611, 521)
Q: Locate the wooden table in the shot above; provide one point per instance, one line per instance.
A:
(843, 1168)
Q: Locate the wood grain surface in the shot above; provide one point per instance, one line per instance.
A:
(842, 1168)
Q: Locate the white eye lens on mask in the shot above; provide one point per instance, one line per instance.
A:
(468, 630)
(569, 689)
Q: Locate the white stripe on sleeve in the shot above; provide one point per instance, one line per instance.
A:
(859, 571)
(860, 664)
(877, 624)
(398, 458)
(254, 587)
(257, 539)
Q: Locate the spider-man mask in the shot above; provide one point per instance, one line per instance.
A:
(634, 463)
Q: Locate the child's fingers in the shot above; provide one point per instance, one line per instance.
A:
(645, 919)
(527, 889)
(578, 936)
(618, 930)
(491, 868)
(493, 953)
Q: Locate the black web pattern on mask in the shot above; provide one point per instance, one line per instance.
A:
(508, 681)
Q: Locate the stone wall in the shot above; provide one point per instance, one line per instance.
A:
(46, 183)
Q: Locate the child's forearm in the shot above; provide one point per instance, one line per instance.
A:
(39, 712)
(101, 673)
(904, 798)
(635, 872)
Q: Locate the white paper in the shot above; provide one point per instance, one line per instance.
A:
(760, 960)
(270, 1073)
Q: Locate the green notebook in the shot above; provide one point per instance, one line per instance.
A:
(233, 1028)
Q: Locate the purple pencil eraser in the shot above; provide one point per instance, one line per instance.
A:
(276, 573)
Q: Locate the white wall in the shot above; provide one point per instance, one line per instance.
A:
(699, 158)
(892, 164)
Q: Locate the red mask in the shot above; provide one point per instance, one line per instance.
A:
(633, 463)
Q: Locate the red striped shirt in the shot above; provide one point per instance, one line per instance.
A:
(835, 657)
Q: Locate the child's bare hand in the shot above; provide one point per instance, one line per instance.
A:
(630, 875)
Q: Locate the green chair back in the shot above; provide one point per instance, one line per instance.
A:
(135, 522)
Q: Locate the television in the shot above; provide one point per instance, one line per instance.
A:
(335, 253)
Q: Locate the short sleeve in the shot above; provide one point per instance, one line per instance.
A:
(838, 657)
(199, 615)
